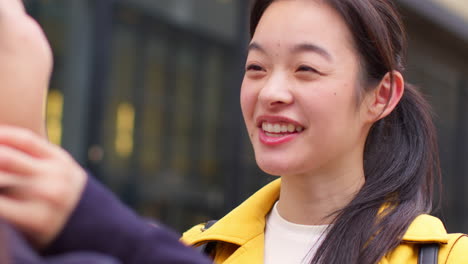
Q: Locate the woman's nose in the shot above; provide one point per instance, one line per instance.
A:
(276, 92)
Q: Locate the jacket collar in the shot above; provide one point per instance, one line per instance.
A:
(247, 221)
(426, 229)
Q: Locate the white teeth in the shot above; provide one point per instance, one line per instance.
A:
(284, 128)
(276, 128)
(269, 127)
(280, 128)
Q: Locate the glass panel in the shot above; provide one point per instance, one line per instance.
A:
(211, 114)
(152, 109)
(119, 110)
(152, 130)
(181, 131)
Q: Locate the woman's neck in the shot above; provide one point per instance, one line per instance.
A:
(312, 199)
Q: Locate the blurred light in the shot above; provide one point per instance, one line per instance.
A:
(124, 130)
(459, 7)
(95, 153)
(54, 116)
(182, 10)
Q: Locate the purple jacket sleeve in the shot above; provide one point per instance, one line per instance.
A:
(16, 250)
(102, 224)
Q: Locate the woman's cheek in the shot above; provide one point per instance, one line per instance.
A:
(247, 97)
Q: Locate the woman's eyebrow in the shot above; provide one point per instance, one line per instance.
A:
(255, 46)
(302, 47)
(310, 47)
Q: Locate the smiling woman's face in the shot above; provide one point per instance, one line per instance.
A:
(25, 68)
(298, 95)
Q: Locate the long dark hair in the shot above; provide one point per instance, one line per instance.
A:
(400, 157)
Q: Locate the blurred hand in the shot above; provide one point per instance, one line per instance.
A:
(40, 184)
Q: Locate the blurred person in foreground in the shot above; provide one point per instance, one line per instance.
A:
(43, 191)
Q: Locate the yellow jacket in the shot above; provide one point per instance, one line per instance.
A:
(240, 234)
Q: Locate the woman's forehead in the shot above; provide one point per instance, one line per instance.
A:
(302, 24)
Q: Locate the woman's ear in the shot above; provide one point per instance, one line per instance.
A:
(385, 97)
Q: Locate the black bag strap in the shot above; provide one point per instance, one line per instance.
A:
(207, 248)
(428, 254)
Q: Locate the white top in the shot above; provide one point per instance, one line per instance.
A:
(286, 242)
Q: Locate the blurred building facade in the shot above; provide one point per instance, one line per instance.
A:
(146, 94)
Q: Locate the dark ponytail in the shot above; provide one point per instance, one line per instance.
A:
(399, 162)
(400, 157)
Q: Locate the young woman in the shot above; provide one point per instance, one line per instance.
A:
(327, 108)
(42, 187)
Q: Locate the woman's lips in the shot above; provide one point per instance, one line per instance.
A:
(271, 139)
(275, 133)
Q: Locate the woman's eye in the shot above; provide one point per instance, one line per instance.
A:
(254, 67)
(304, 68)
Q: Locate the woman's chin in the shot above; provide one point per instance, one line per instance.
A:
(275, 168)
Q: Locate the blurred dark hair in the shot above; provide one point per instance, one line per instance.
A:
(401, 158)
